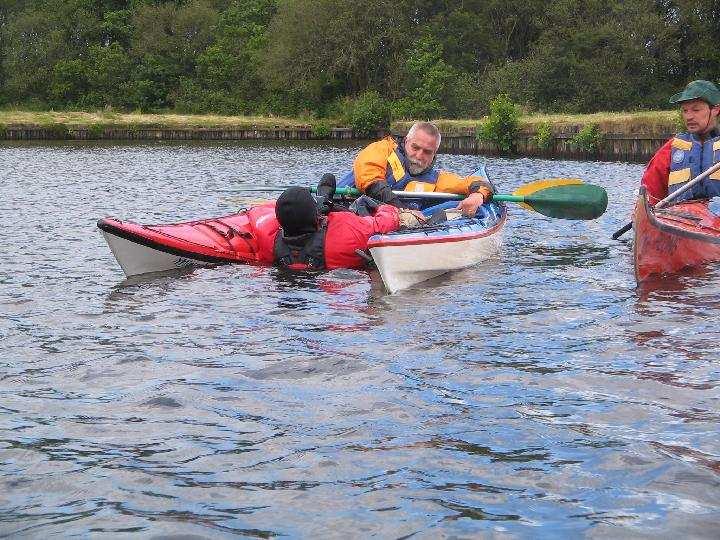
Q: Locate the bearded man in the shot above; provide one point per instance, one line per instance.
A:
(407, 164)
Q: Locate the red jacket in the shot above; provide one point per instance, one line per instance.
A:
(346, 232)
(655, 178)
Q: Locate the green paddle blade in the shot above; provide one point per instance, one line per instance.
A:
(564, 198)
(572, 201)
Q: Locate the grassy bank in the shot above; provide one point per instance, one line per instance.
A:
(77, 119)
(627, 123)
(648, 122)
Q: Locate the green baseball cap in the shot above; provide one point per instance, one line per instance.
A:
(704, 90)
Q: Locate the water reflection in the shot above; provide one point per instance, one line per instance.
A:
(153, 278)
(581, 256)
(674, 286)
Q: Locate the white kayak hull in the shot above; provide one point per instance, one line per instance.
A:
(407, 259)
(135, 258)
(402, 267)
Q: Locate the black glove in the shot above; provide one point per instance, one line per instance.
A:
(326, 186)
(380, 191)
(364, 206)
(325, 192)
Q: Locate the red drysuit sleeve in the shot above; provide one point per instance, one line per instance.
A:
(655, 178)
(348, 232)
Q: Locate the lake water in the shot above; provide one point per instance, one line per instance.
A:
(538, 395)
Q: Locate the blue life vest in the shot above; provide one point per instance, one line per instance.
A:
(397, 172)
(688, 158)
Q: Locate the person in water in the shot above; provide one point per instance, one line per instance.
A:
(691, 152)
(310, 240)
(407, 163)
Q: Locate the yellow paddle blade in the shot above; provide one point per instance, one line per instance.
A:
(539, 185)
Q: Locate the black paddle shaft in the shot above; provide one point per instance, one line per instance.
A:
(617, 234)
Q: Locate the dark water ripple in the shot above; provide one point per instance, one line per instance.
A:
(537, 395)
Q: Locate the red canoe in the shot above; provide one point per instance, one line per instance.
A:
(672, 238)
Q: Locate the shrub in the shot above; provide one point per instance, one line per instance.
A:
(57, 130)
(193, 99)
(340, 108)
(679, 122)
(320, 129)
(402, 109)
(142, 95)
(95, 131)
(588, 138)
(369, 113)
(68, 82)
(502, 125)
(543, 136)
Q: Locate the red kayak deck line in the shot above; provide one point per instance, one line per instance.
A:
(670, 239)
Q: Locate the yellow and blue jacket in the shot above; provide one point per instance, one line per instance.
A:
(688, 158)
(386, 160)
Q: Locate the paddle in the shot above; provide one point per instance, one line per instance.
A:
(564, 198)
(674, 195)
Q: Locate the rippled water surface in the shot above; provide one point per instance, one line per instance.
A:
(537, 395)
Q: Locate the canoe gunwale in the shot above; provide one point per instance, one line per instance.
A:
(393, 239)
(456, 230)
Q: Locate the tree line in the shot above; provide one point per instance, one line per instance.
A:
(336, 58)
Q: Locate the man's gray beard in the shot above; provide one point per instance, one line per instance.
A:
(414, 167)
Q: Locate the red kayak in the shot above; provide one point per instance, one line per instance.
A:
(237, 238)
(672, 238)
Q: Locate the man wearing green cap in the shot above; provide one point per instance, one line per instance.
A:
(691, 152)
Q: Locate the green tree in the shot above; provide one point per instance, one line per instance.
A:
(109, 70)
(606, 61)
(228, 71)
(430, 59)
(426, 83)
(32, 44)
(7, 9)
(38, 36)
(694, 26)
(117, 27)
(478, 33)
(327, 48)
(166, 41)
(178, 34)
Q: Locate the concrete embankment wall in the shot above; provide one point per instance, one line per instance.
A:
(611, 146)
